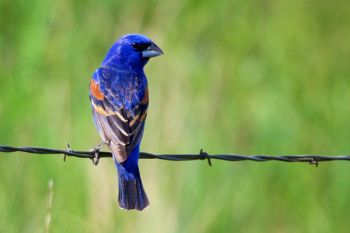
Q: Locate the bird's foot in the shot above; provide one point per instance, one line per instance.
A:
(96, 158)
(96, 150)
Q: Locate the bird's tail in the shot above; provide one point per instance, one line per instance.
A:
(131, 192)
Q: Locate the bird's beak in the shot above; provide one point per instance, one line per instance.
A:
(152, 51)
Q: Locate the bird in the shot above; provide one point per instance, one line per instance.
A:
(119, 100)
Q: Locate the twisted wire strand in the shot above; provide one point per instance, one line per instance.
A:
(311, 158)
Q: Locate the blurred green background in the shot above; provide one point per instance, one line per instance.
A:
(250, 77)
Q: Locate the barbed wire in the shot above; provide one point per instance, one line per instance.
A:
(95, 154)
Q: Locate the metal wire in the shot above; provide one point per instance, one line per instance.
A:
(94, 155)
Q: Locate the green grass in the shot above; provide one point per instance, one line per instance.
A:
(266, 77)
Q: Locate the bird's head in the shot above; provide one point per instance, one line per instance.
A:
(131, 51)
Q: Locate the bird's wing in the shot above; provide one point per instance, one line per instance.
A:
(119, 101)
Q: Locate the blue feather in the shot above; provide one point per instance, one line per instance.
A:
(131, 192)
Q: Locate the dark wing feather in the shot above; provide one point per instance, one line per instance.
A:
(119, 102)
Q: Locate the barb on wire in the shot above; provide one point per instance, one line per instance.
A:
(311, 159)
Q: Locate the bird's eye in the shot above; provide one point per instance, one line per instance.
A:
(136, 46)
(140, 46)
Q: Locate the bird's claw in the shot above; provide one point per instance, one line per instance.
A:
(96, 158)
(96, 150)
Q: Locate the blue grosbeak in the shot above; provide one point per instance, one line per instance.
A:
(119, 100)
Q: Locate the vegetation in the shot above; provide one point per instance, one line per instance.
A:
(250, 77)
